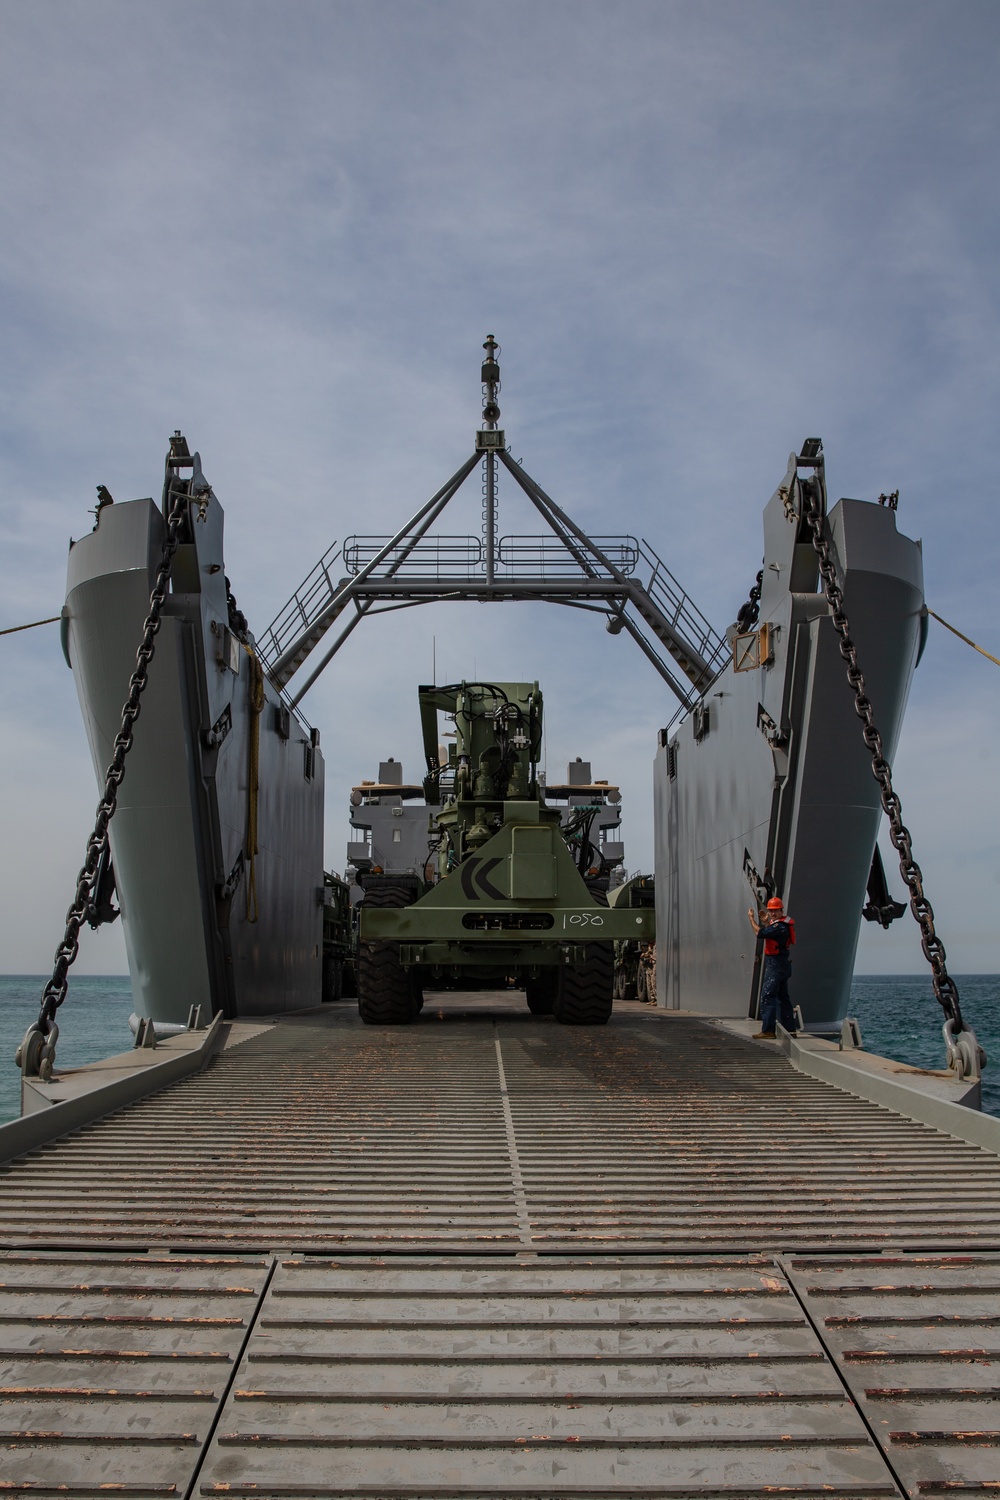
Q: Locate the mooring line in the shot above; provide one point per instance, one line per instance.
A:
(964, 638)
(13, 629)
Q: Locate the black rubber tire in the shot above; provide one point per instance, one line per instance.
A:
(387, 993)
(624, 986)
(333, 979)
(540, 993)
(585, 996)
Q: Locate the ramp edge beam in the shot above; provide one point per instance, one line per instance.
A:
(49, 1123)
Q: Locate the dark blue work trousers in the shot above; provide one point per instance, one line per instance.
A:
(774, 1001)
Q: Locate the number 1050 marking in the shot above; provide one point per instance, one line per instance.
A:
(584, 919)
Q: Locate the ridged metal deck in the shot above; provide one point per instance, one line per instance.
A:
(487, 1255)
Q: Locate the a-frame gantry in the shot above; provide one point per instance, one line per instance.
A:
(620, 577)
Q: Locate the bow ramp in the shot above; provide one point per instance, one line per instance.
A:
(500, 1258)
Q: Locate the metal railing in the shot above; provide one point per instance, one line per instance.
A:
(680, 612)
(306, 604)
(446, 557)
(547, 557)
(533, 560)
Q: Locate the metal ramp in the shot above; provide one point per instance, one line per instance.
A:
(113, 1368)
(481, 1127)
(698, 1376)
(495, 1257)
(657, 1378)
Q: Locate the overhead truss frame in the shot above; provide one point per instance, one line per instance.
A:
(599, 575)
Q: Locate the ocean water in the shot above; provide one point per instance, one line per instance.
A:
(898, 1015)
(93, 1023)
(900, 1018)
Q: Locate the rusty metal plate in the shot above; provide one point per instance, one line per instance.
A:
(496, 1131)
(669, 1133)
(324, 1132)
(112, 1368)
(690, 1377)
(917, 1339)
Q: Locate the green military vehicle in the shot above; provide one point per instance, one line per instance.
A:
(508, 896)
(338, 940)
(633, 976)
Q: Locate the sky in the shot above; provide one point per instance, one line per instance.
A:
(700, 232)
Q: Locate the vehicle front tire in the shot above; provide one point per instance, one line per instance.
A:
(387, 993)
(585, 995)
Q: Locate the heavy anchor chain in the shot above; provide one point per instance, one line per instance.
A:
(36, 1054)
(749, 613)
(965, 1056)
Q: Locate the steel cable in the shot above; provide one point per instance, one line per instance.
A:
(961, 637)
(13, 629)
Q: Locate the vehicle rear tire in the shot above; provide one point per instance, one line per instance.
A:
(333, 979)
(624, 986)
(585, 996)
(540, 993)
(387, 993)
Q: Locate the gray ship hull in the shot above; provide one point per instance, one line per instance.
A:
(770, 788)
(765, 788)
(194, 933)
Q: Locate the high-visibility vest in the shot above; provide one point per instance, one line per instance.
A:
(771, 946)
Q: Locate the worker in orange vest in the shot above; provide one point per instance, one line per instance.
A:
(778, 932)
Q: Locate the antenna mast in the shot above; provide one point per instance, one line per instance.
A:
(491, 415)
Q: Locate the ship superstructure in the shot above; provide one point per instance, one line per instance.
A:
(393, 820)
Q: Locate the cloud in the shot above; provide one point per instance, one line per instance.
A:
(701, 232)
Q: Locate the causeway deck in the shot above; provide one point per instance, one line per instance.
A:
(490, 1256)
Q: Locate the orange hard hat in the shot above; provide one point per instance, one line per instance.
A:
(775, 904)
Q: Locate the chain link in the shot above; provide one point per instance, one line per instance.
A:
(945, 988)
(749, 613)
(54, 992)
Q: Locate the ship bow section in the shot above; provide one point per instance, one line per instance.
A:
(767, 787)
(217, 836)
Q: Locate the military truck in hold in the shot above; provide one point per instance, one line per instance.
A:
(338, 940)
(507, 887)
(635, 966)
